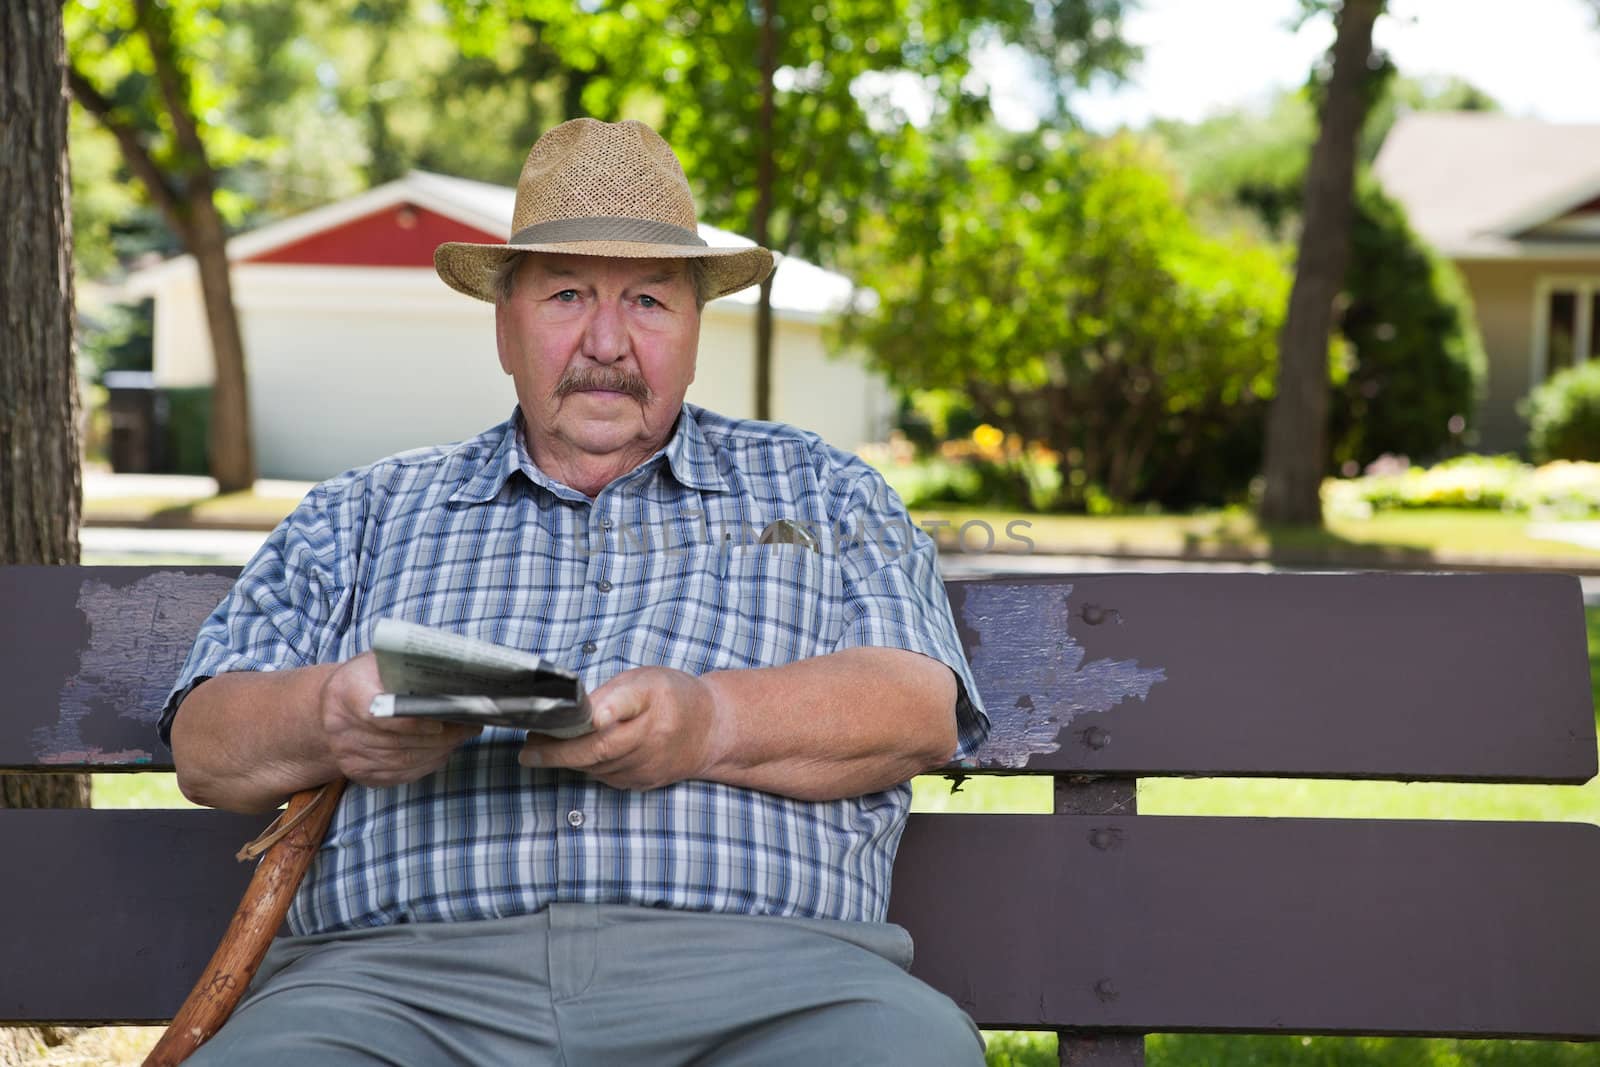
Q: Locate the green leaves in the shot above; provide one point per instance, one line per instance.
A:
(1057, 282)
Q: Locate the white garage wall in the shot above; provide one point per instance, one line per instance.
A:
(835, 397)
(348, 365)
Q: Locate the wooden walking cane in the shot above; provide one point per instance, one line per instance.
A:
(290, 843)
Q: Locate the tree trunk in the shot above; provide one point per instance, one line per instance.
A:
(766, 141)
(41, 492)
(40, 489)
(1297, 422)
(231, 459)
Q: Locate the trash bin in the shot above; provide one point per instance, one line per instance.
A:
(137, 422)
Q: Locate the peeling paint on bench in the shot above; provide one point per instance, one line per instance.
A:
(149, 623)
(1033, 697)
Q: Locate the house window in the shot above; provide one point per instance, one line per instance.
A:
(1567, 324)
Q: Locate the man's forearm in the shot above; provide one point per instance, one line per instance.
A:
(839, 725)
(247, 741)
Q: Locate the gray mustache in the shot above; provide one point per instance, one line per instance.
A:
(617, 381)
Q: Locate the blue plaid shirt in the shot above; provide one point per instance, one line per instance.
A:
(661, 568)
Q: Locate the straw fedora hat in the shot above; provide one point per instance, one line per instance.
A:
(593, 188)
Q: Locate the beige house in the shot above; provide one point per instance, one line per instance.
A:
(355, 349)
(1515, 203)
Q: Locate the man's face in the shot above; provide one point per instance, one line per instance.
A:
(602, 352)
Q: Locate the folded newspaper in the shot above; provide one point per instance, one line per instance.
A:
(434, 674)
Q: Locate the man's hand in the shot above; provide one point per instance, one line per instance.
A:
(653, 726)
(380, 752)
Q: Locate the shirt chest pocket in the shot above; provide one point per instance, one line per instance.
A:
(733, 606)
(777, 597)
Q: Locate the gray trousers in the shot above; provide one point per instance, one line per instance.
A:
(583, 984)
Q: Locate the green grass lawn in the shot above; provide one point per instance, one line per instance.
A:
(247, 511)
(1461, 537)
(1434, 536)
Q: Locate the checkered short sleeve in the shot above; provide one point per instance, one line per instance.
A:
(893, 595)
(277, 615)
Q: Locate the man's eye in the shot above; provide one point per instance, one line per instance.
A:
(567, 296)
(649, 301)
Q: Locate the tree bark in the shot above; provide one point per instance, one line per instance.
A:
(40, 491)
(40, 488)
(230, 456)
(766, 140)
(1297, 422)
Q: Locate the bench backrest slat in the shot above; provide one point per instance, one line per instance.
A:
(1410, 676)
(1465, 677)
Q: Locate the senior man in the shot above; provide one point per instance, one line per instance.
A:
(702, 879)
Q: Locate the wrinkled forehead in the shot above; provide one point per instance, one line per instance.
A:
(605, 269)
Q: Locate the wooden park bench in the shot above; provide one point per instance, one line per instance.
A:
(1095, 922)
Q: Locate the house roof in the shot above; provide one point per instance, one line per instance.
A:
(1478, 185)
(800, 290)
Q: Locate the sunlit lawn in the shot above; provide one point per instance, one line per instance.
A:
(1437, 535)
(242, 510)
(1434, 535)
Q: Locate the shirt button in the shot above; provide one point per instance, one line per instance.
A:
(590, 647)
(603, 585)
(574, 819)
(605, 524)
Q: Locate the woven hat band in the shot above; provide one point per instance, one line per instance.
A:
(605, 228)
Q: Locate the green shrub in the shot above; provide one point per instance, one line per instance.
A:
(1559, 490)
(1564, 415)
(1415, 363)
(1054, 284)
(1487, 482)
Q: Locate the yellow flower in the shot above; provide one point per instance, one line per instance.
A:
(987, 437)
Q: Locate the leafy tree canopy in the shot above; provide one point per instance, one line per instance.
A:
(1410, 366)
(1056, 282)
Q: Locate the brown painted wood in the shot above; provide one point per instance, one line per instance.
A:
(108, 916)
(88, 655)
(1468, 677)
(1151, 923)
(1137, 923)
(1465, 677)
(1098, 921)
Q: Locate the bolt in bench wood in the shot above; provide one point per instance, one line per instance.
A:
(1095, 922)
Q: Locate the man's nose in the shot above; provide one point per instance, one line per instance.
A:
(605, 339)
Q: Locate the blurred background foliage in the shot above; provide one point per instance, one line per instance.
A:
(1056, 281)
(1109, 306)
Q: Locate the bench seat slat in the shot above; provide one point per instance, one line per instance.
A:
(111, 915)
(1159, 923)
(1156, 923)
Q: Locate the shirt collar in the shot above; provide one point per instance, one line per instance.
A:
(688, 455)
(503, 460)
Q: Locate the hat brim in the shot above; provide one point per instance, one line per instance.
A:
(470, 268)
